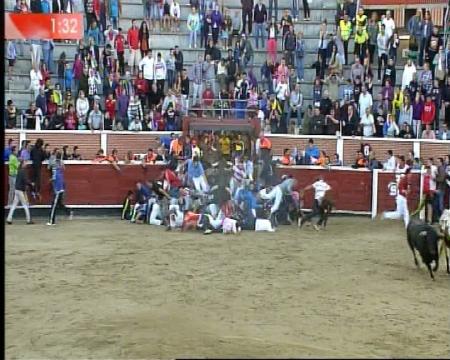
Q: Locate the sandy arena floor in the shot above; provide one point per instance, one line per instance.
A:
(106, 289)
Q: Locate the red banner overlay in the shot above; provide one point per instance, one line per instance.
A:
(44, 26)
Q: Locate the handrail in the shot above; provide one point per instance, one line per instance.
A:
(167, 133)
(446, 39)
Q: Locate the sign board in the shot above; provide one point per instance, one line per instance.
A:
(43, 26)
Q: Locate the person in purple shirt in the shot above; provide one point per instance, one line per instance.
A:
(216, 24)
(24, 154)
(122, 108)
(388, 93)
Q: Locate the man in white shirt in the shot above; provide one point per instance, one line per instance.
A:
(365, 100)
(147, 66)
(389, 23)
(390, 164)
(320, 189)
(382, 49)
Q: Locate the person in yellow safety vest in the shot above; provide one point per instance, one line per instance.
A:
(361, 38)
(361, 19)
(345, 27)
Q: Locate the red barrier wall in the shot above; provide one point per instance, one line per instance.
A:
(96, 184)
(101, 184)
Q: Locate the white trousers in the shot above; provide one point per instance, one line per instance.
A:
(176, 218)
(155, 215)
(36, 50)
(200, 184)
(19, 196)
(276, 195)
(401, 211)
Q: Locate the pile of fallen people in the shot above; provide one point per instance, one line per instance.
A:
(224, 197)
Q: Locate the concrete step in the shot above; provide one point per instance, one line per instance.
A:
(21, 83)
(23, 63)
(162, 41)
(282, 4)
(309, 28)
(136, 11)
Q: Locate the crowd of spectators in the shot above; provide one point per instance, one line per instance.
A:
(100, 89)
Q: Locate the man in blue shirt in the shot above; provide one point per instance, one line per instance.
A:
(58, 185)
(196, 174)
(312, 153)
(7, 151)
(140, 209)
(246, 200)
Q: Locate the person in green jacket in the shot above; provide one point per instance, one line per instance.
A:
(13, 168)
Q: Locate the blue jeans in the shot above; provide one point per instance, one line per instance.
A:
(170, 78)
(295, 8)
(260, 32)
(271, 8)
(48, 58)
(114, 22)
(154, 12)
(193, 38)
(439, 201)
(300, 66)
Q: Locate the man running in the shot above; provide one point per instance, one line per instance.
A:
(58, 190)
(320, 189)
(404, 188)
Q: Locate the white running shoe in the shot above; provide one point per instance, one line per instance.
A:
(50, 224)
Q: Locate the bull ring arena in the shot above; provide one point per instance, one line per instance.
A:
(144, 265)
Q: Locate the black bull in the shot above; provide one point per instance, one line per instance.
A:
(423, 238)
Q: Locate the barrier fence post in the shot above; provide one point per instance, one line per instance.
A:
(22, 137)
(422, 212)
(104, 141)
(375, 193)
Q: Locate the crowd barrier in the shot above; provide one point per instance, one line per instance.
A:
(354, 191)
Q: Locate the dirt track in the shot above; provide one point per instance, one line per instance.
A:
(107, 289)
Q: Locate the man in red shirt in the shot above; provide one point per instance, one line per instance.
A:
(428, 113)
(110, 115)
(404, 189)
(119, 45)
(133, 44)
(208, 99)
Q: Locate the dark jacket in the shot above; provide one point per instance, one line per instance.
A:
(260, 15)
(22, 180)
(179, 61)
(247, 5)
(37, 156)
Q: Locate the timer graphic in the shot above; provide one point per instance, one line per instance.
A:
(43, 26)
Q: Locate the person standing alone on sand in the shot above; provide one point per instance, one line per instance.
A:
(20, 194)
(58, 185)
